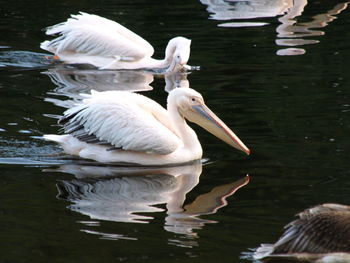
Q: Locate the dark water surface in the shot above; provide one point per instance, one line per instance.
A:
(277, 72)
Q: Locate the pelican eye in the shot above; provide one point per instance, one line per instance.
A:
(193, 99)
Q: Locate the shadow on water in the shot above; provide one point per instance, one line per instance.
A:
(290, 32)
(132, 195)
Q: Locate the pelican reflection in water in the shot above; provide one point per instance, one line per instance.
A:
(133, 194)
(74, 81)
(289, 33)
(71, 82)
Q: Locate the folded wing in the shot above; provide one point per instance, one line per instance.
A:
(96, 36)
(123, 120)
(326, 230)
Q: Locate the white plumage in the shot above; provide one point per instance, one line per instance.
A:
(91, 39)
(138, 129)
(118, 126)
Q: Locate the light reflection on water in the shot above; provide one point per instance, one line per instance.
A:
(132, 195)
(23, 59)
(73, 83)
(290, 32)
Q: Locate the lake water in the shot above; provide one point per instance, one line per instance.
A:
(277, 72)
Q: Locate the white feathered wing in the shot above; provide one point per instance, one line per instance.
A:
(126, 120)
(93, 35)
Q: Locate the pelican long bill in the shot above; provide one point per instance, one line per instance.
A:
(203, 116)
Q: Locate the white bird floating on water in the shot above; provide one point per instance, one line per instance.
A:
(103, 43)
(124, 127)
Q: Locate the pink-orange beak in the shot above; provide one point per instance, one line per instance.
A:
(204, 117)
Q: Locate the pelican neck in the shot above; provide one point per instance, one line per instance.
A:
(182, 129)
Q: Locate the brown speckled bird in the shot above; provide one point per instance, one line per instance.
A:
(320, 234)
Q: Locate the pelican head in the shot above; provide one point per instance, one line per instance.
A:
(191, 106)
(178, 53)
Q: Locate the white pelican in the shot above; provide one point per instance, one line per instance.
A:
(320, 234)
(91, 39)
(124, 127)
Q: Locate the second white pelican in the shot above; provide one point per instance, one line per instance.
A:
(124, 127)
(103, 43)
